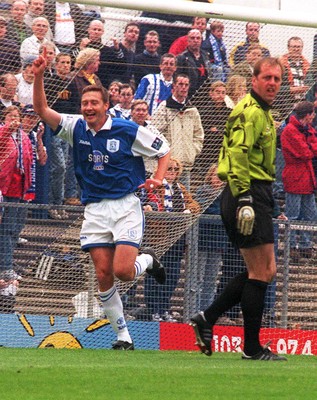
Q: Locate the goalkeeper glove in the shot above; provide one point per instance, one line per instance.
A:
(245, 215)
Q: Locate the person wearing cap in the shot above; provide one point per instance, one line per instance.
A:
(299, 147)
(9, 51)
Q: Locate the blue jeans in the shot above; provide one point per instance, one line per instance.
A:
(13, 220)
(301, 207)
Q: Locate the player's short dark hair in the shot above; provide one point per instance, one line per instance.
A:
(99, 89)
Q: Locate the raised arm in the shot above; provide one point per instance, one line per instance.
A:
(51, 117)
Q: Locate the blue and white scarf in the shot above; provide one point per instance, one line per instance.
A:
(173, 197)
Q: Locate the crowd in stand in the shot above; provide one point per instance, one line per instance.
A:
(184, 90)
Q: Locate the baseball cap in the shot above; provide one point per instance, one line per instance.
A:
(28, 110)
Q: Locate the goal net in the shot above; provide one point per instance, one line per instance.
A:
(52, 298)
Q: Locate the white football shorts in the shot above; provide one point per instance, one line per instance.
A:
(111, 222)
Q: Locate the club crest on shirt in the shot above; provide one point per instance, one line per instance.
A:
(132, 233)
(157, 144)
(113, 145)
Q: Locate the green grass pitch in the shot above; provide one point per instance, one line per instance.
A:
(51, 374)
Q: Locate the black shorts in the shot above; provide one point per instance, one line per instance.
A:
(263, 205)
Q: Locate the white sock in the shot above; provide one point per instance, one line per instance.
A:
(112, 306)
(142, 262)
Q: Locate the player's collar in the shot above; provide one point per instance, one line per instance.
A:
(105, 127)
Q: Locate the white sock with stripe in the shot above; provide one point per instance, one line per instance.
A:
(112, 306)
(142, 262)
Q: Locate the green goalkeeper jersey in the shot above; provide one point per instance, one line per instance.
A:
(249, 145)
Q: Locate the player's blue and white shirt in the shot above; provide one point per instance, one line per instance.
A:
(108, 163)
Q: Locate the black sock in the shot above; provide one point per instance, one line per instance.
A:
(252, 304)
(228, 298)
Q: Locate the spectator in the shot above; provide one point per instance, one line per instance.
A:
(119, 58)
(214, 114)
(172, 196)
(114, 93)
(87, 63)
(245, 68)
(111, 61)
(238, 53)
(148, 61)
(63, 97)
(17, 183)
(194, 62)
(236, 90)
(24, 91)
(16, 158)
(94, 39)
(216, 48)
(9, 51)
(154, 88)
(140, 115)
(180, 44)
(67, 23)
(31, 45)
(296, 67)
(123, 108)
(8, 87)
(299, 147)
(180, 124)
(50, 55)
(35, 9)
(17, 30)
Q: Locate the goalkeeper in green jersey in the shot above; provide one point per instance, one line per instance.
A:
(247, 164)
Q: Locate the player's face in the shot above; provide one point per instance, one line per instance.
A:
(218, 94)
(95, 31)
(268, 82)
(94, 109)
(139, 114)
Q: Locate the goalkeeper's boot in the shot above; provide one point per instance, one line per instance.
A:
(122, 345)
(203, 333)
(264, 355)
(157, 270)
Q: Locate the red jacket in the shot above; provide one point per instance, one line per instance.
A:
(299, 147)
(9, 158)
